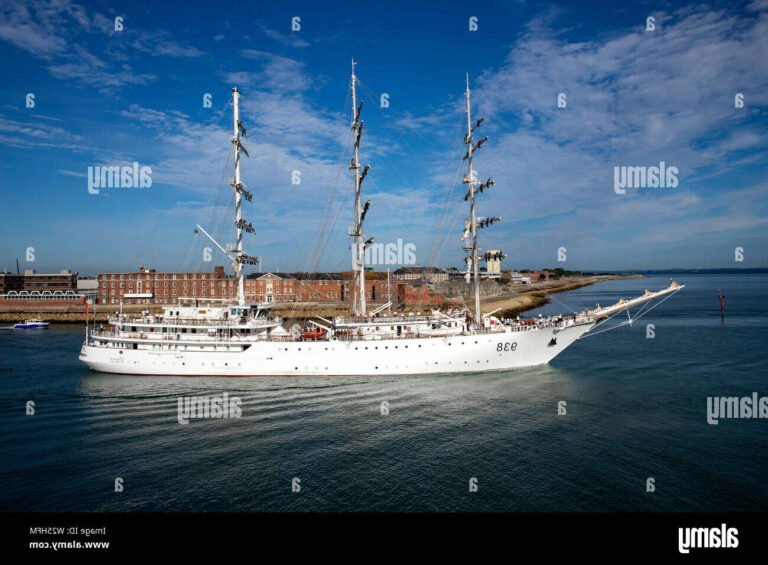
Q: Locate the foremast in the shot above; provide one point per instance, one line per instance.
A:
(360, 211)
(240, 258)
(472, 225)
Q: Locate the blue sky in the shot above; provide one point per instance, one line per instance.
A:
(634, 97)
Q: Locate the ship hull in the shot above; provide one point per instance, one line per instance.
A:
(451, 354)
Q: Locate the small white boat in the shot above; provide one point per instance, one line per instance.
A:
(31, 325)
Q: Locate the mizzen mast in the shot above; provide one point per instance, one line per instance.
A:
(472, 224)
(360, 211)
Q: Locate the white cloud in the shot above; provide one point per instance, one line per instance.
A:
(63, 34)
(633, 98)
(292, 39)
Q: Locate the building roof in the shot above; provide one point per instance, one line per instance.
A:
(418, 271)
(317, 276)
(299, 276)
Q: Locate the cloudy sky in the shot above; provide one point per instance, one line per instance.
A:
(688, 88)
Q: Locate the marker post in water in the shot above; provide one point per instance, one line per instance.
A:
(722, 304)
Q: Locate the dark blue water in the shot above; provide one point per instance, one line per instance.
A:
(636, 408)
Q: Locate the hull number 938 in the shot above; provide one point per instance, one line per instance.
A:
(506, 346)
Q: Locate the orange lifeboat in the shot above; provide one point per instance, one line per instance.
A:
(313, 335)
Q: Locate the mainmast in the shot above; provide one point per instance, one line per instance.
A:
(472, 224)
(356, 231)
(241, 225)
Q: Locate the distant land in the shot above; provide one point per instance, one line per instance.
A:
(736, 271)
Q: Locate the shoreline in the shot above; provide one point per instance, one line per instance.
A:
(512, 303)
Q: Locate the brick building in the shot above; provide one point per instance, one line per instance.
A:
(418, 295)
(315, 287)
(423, 274)
(146, 286)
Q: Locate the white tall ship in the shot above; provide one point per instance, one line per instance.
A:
(232, 338)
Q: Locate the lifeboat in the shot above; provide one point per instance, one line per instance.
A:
(313, 335)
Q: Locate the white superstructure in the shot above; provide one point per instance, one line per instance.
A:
(232, 338)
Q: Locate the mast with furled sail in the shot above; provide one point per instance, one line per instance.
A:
(360, 211)
(236, 253)
(472, 224)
